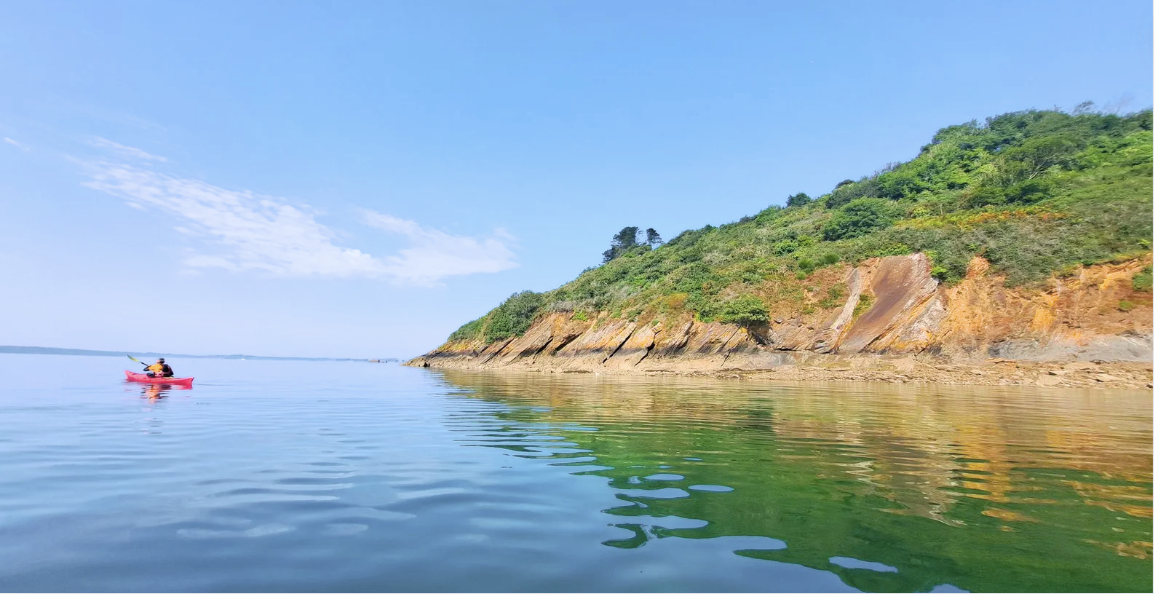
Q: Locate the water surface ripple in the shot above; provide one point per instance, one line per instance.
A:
(339, 476)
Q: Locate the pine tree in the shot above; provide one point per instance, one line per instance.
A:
(622, 242)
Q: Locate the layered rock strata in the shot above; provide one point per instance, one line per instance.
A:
(1094, 314)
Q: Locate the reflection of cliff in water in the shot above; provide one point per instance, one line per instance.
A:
(983, 488)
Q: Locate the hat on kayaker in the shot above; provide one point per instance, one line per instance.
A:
(161, 359)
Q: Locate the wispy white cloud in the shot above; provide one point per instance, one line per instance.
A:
(244, 231)
(127, 151)
(256, 232)
(435, 254)
(18, 145)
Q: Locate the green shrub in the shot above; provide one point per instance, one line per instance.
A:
(942, 272)
(745, 310)
(785, 247)
(768, 215)
(864, 301)
(514, 316)
(1125, 305)
(900, 183)
(469, 331)
(1144, 280)
(834, 296)
(860, 217)
(844, 193)
(798, 199)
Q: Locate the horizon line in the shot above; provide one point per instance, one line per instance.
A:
(38, 350)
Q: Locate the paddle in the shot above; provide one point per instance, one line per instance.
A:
(138, 361)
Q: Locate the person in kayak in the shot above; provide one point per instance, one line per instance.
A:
(159, 369)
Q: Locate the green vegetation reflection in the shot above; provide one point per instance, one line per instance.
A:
(982, 489)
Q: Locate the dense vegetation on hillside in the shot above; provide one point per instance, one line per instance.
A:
(1036, 193)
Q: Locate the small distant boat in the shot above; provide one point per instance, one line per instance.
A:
(145, 379)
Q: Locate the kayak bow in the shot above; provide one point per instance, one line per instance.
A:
(144, 379)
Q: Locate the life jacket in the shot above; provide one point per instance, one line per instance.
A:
(156, 367)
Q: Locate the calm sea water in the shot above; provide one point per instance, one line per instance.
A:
(290, 476)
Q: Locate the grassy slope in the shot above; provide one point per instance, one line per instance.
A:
(1037, 193)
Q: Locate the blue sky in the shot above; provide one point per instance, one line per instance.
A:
(359, 179)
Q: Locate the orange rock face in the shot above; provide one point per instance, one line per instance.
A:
(1095, 314)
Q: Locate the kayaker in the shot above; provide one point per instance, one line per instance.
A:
(159, 369)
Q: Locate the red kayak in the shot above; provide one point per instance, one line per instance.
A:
(144, 379)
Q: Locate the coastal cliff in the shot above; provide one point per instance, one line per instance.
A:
(909, 313)
(1026, 239)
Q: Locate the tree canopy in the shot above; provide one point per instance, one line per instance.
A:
(798, 199)
(623, 241)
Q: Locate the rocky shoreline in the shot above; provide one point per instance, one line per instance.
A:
(1090, 328)
(1116, 375)
(1078, 374)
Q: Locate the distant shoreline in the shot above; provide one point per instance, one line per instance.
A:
(31, 350)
